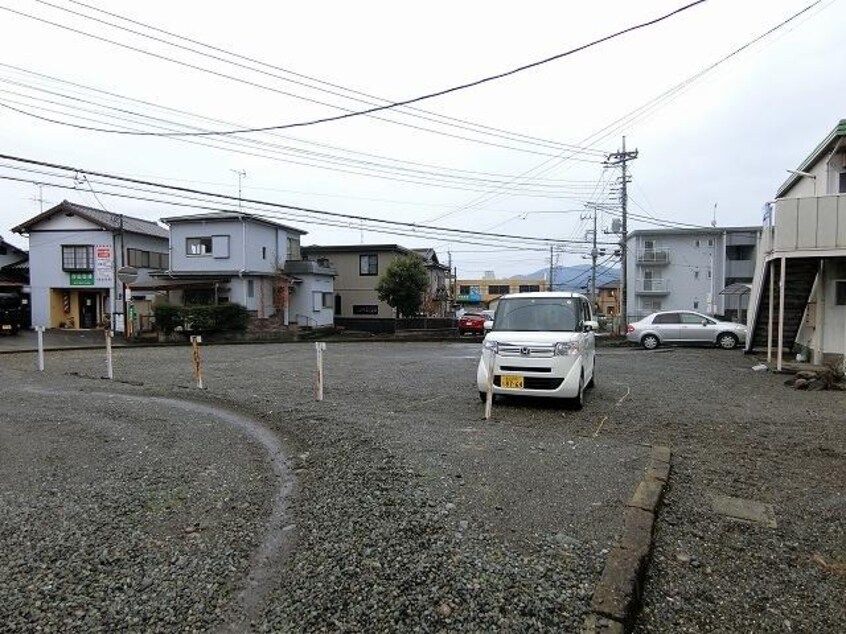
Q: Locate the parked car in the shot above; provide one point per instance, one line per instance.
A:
(685, 327)
(471, 324)
(540, 344)
(11, 314)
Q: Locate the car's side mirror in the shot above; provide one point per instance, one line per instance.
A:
(591, 325)
(704, 322)
(488, 325)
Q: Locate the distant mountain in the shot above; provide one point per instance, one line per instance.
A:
(572, 278)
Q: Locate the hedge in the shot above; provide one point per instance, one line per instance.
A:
(223, 318)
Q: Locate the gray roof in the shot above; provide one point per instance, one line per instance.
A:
(355, 248)
(230, 215)
(692, 231)
(106, 219)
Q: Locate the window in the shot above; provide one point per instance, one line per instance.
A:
(529, 288)
(368, 264)
(666, 318)
(498, 289)
(264, 253)
(709, 274)
(198, 246)
(198, 296)
(77, 258)
(251, 288)
(840, 292)
(464, 289)
(697, 244)
(320, 300)
(695, 305)
(365, 309)
(696, 275)
(147, 259)
(692, 319)
(650, 304)
(710, 242)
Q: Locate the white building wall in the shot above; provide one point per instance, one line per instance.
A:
(304, 306)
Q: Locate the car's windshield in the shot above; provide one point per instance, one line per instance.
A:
(537, 314)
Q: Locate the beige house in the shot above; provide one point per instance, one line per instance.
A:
(479, 294)
(359, 268)
(798, 296)
(608, 298)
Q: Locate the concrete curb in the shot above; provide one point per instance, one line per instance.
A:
(617, 595)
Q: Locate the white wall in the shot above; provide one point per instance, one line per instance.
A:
(302, 301)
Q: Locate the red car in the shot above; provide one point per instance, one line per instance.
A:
(471, 324)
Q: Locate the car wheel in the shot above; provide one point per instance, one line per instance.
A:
(650, 342)
(578, 402)
(727, 341)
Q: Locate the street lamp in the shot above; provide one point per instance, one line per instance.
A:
(806, 175)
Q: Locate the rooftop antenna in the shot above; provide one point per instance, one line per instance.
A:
(40, 200)
(714, 217)
(241, 174)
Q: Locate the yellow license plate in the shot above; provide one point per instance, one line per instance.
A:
(513, 382)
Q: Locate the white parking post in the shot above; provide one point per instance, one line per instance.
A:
(110, 374)
(40, 331)
(198, 370)
(319, 347)
(489, 398)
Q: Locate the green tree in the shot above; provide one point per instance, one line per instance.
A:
(403, 285)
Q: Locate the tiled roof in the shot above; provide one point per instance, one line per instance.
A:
(106, 219)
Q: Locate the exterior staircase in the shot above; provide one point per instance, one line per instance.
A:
(799, 281)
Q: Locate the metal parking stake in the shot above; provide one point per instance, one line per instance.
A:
(198, 371)
(110, 374)
(489, 396)
(40, 357)
(319, 347)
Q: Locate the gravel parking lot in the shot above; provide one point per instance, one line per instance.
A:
(409, 512)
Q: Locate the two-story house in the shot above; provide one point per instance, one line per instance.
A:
(678, 269)
(436, 303)
(359, 268)
(14, 275)
(250, 260)
(798, 299)
(479, 294)
(74, 255)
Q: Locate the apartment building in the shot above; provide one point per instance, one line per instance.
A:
(707, 270)
(479, 294)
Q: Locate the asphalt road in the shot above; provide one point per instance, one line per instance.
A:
(408, 511)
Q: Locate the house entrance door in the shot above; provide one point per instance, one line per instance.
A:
(88, 310)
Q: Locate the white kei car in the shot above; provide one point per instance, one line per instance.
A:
(539, 344)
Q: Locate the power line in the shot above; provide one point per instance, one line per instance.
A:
(345, 166)
(646, 108)
(367, 111)
(412, 111)
(186, 190)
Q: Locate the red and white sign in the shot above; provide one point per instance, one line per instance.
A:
(103, 265)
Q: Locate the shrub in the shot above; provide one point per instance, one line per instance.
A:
(223, 318)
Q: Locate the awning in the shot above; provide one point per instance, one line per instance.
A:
(738, 288)
(174, 285)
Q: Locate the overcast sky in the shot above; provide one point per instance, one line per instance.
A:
(726, 140)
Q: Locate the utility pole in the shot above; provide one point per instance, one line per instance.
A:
(620, 159)
(551, 271)
(594, 252)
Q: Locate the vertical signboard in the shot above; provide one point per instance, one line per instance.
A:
(103, 264)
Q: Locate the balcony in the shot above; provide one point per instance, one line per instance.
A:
(740, 269)
(812, 225)
(653, 257)
(652, 287)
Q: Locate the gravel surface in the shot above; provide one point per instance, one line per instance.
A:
(413, 514)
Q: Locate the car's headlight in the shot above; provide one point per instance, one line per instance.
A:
(493, 346)
(564, 348)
